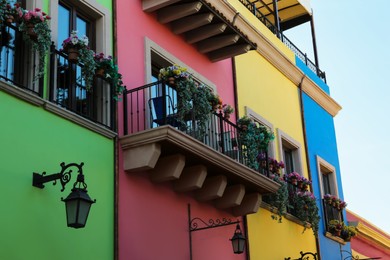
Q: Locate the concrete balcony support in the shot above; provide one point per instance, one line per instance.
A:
(249, 205)
(232, 197)
(192, 178)
(176, 12)
(205, 32)
(168, 168)
(141, 158)
(213, 188)
(192, 22)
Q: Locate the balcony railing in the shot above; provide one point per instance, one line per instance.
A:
(68, 90)
(18, 63)
(301, 55)
(331, 213)
(65, 87)
(154, 105)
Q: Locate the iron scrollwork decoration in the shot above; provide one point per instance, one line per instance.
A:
(351, 257)
(305, 256)
(64, 176)
(199, 224)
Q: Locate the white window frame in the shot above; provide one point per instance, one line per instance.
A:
(295, 146)
(324, 167)
(261, 120)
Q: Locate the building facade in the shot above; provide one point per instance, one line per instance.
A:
(47, 121)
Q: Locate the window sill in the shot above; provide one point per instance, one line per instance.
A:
(288, 215)
(55, 109)
(335, 238)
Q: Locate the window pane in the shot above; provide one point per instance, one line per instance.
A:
(326, 183)
(288, 159)
(81, 26)
(63, 24)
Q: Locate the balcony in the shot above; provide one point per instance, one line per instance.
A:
(64, 90)
(211, 163)
(291, 13)
(332, 216)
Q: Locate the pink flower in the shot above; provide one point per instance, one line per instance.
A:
(48, 17)
(37, 9)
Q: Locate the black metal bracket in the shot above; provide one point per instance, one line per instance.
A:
(350, 256)
(304, 256)
(64, 176)
(197, 224)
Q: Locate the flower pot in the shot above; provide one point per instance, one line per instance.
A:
(337, 233)
(227, 116)
(10, 19)
(100, 73)
(73, 55)
(30, 31)
(294, 182)
(171, 81)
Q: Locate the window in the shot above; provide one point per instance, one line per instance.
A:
(157, 58)
(290, 151)
(68, 90)
(328, 185)
(17, 59)
(264, 122)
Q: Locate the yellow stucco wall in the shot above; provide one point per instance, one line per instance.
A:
(270, 94)
(270, 240)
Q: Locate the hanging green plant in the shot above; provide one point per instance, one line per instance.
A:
(254, 138)
(36, 31)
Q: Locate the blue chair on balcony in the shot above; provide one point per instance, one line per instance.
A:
(162, 116)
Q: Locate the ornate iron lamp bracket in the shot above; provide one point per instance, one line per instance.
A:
(350, 256)
(305, 256)
(64, 176)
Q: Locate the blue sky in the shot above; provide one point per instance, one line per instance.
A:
(353, 44)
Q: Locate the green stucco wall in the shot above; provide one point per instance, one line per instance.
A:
(32, 220)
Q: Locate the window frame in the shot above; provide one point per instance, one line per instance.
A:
(263, 121)
(287, 141)
(329, 170)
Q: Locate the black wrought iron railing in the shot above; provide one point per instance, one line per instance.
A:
(301, 55)
(18, 63)
(19, 66)
(331, 213)
(67, 89)
(155, 104)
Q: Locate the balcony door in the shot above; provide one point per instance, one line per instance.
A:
(71, 92)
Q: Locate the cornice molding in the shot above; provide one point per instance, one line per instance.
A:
(55, 109)
(373, 235)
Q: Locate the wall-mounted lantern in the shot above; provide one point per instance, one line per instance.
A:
(196, 224)
(78, 202)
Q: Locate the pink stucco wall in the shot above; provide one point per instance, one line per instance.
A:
(134, 25)
(153, 220)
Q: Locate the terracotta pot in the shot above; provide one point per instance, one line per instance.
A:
(100, 73)
(73, 55)
(227, 116)
(171, 81)
(9, 20)
(30, 31)
(294, 182)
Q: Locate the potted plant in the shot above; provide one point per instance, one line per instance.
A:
(278, 200)
(106, 69)
(36, 31)
(173, 73)
(78, 51)
(292, 178)
(335, 227)
(11, 14)
(335, 202)
(274, 166)
(305, 208)
(227, 110)
(348, 232)
(254, 138)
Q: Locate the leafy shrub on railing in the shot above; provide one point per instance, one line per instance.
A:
(294, 199)
(254, 138)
